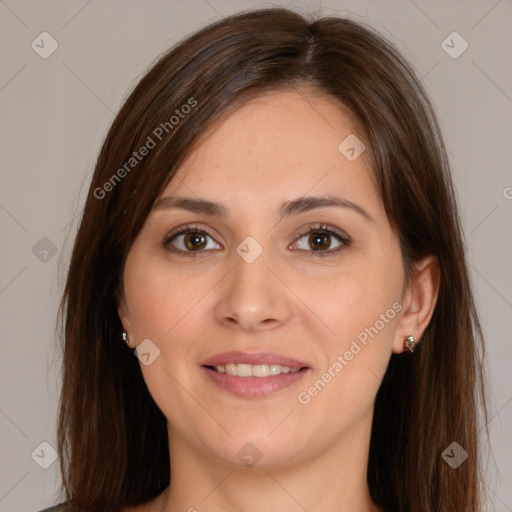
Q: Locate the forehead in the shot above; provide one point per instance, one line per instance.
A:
(278, 142)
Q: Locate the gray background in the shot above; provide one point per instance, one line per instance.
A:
(56, 112)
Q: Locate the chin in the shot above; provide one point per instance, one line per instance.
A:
(258, 450)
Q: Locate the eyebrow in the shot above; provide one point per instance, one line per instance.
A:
(287, 209)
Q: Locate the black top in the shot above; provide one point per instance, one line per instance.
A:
(61, 507)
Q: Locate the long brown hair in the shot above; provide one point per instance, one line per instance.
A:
(112, 438)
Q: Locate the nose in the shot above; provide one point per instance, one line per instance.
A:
(253, 297)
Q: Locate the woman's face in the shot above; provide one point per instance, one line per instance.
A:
(274, 272)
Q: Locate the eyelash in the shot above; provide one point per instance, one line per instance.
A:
(321, 228)
(325, 230)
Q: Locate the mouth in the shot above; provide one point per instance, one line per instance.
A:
(254, 370)
(254, 375)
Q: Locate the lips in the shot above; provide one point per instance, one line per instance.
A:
(254, 374)
(253, 358)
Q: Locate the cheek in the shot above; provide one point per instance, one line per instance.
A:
(361, 311)
(351, 303)
(165, 308)
(362, 314)
(159, 299)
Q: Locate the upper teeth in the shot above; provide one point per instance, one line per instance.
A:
(254, 370)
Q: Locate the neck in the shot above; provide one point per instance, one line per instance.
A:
(333, 480)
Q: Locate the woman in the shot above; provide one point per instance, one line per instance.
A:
(272, 230)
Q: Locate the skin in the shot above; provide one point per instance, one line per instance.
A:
(275, 148)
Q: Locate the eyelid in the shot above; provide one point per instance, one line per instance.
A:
(185, 229)
(324, 228)
(344, 239)
(182, 230)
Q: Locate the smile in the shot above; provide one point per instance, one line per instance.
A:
(254, 370)
(250, 374)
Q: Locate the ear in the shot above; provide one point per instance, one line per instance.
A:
(418, 303)
(122, 310)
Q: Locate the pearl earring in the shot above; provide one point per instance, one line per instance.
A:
(125, 338)
(409, 343)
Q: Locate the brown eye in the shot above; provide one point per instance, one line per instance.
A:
(190, 240)
(194, 241)
(320, 241)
